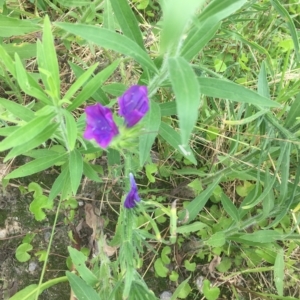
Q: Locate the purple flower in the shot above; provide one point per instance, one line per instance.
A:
(100, 125)
(134, 104)
(133, 196)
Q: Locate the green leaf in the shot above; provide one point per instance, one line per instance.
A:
(81, 289)
(279, 272)
(220, 88)
(26, 293)
(230, 208)
(22, 252)
(197, 38)
(186, 89)
(262, 84)
(263, 236)
(176, 17)
(71, 128)
(173, 138)
(182, 291)
(24, 50)
(90, 173)
(168, 108)
(79, 260)
(75, 169)
(13, 26)
(110, 40)
(27, 83)
(36, 165)
(211, 293)
(27, 132)
(219, 10)
(293, 113)
(60, 182)
(39, 202)
(47, 61)
(42, 255)
(151, 123)
(151, 169)
(195, 206)
(286, 16)
(19, 111)
(164, 255)
(108, 16)
(127, 21)
(7, 61)
(35, 142)
(160, 269)
(80, 81)
(194, 227)
(93, 85)
(74, 3)
(37, 205)
(190, 266)
(218, 239)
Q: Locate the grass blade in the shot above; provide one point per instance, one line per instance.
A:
(286, 16)
(219, 88)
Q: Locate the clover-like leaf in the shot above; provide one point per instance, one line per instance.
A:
(22, 252)
(211, 293)
(42, 254)
(38, 204)
(160, 269)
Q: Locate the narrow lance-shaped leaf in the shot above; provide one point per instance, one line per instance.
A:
(27, 83)
(127, 21)
(26, 132)
(75, 169)
(151, 124)
(71, 128)
(15, 26)
(195, 206)
(186, 89)
(35, 142)
(93, 85)
(286, 16)
(223, 89)
(173, 138)
(279, 272)
(207, 25)
(47, 61)
(36, 165)
(19, 111)
(176, 17)
(81, 289)
(111, 40)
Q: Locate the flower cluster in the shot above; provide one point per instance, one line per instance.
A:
(100, 126)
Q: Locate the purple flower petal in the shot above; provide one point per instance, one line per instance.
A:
(133, 196)
(134, 104)
(100, 125)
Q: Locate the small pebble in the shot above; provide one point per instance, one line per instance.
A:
(32, 266)
(47, 235)
(166, 295)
